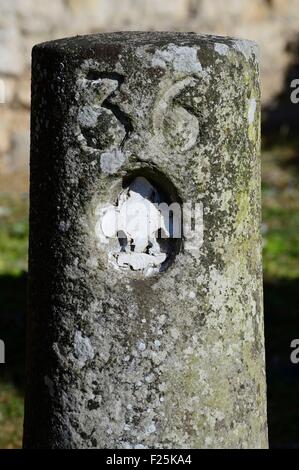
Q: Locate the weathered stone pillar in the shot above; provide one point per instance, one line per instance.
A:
(145, 339)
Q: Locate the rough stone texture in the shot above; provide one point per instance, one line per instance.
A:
(115, 358)
(23, 23)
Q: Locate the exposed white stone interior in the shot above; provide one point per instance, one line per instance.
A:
(136, 229)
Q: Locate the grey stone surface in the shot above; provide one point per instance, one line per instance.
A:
(120, 358)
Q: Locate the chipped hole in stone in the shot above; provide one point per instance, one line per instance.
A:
(149, 227)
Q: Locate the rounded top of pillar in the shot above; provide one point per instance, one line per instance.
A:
(87, 44)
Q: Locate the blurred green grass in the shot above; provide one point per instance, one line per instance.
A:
(13, 234)
(11, 416)
(13, 265)
(280, 192)
(281, 244)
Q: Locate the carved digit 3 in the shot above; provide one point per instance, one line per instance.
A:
(103, 125)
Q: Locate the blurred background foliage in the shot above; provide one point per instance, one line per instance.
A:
(271, 23)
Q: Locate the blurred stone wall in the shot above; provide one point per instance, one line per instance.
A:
(23, 23)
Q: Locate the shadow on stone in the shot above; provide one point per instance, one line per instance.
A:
(281, 327)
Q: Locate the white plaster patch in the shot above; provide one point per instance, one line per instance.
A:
(221, 49)
(132, 226)
(208, 441)
(82, 348)
(141, 345)
(151, 429)
(181, 58)
(92, 263)
(88, 116)
(112, 161)
(247, 48)
(251, 110)
(174, 333)
(140, 261)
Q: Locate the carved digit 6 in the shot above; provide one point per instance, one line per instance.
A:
(178, 126)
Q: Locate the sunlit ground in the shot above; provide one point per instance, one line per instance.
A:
(281, 272)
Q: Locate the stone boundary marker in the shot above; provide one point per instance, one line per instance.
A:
(145, 326)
